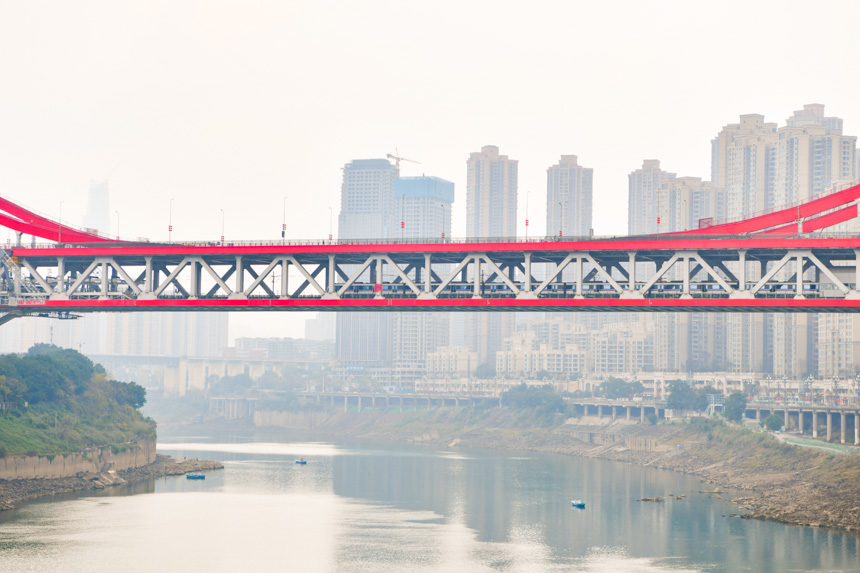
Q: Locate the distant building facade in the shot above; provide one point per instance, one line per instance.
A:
(457, 361)
(282, 350)
(491, 211)
(743, 162)
(424, 207)
(642, 186)
(322, 327)
(367, 211)
(569, 190)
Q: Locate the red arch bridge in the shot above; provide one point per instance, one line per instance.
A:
(785, 261)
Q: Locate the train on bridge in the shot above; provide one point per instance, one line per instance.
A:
(785, 261)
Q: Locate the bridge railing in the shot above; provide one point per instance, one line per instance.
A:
(438, 241)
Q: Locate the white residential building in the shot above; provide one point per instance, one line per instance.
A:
(423, 205)
(687, 342)
(569, 188)
(367, 211)
(491, 211)
(451, 361)
(743, 162)
(643, 185)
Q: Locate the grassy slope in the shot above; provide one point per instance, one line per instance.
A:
(57, 429)
(706, 443)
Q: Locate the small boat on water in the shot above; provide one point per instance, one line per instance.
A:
(195, 476)
(578, 503)
(302, 462)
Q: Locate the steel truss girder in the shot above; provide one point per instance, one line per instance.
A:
(648, 274)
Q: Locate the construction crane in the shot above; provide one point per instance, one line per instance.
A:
(397, 160)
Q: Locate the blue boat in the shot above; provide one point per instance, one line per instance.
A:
(578, 503)
(302, 462)
(195, 476)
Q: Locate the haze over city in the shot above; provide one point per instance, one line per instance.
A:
(221, 106)
(281, 244)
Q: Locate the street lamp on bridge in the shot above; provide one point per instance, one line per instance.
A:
(561, 219)
(284, 223)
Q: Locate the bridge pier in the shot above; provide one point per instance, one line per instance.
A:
(800, 420)
(401, 404)
(629, 408)
(359, 403)
(829, 425)
(614, 409)
(758, 415)
(641, 414)
(857, 429)
(815, 423)
(842, 418)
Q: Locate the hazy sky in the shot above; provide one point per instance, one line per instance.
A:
(234, 105)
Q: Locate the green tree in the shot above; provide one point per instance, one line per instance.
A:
(485, 370)
(681, 396)
(11, 389)
(735, 405)
(701, 402)
(238, 384)
(773, 422)
(524, 396)
(128, 393)
(618, 388)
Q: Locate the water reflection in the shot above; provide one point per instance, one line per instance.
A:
(359, 507)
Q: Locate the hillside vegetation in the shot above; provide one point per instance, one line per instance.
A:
(57, 401)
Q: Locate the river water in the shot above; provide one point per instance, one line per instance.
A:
(380, 508)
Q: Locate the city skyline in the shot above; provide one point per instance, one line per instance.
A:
(148, 112)
(166, 152)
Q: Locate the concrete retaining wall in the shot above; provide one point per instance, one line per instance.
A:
(295, 420)
(94, 460)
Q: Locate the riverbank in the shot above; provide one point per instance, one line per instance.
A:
(13, 492)
(783, 483)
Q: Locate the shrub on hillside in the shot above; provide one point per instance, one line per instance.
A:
(524, 396)
(773, 422)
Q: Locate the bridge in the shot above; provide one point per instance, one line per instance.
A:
(784, 261)
(818, 418)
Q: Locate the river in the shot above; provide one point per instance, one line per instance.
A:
(359, 506)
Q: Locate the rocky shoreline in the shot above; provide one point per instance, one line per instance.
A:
(13, 492)
(781, 483)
